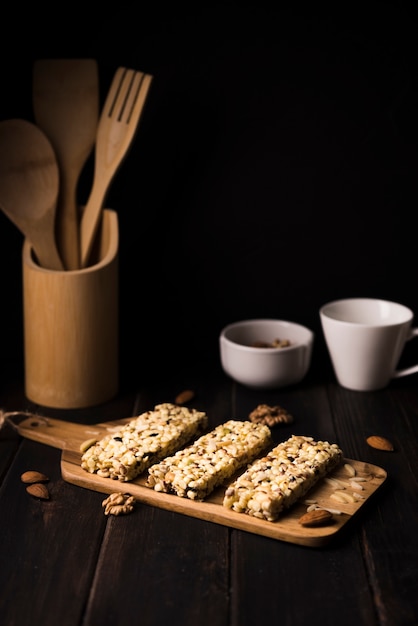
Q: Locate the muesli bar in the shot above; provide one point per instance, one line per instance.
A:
(274, 482)
(196, 470)
(125, 454)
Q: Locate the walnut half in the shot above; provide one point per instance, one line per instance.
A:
(118, 504)
(270, 415)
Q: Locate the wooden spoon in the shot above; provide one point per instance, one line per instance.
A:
(66, 108)
(29, 182)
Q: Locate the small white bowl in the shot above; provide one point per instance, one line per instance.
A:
(266, 367)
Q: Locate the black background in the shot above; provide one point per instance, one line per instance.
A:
(275, 167)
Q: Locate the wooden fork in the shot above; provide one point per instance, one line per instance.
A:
(117, 127)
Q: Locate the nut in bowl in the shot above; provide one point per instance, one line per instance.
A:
(266, 353)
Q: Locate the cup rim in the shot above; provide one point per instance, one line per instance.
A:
(325, 312)
(261, 322)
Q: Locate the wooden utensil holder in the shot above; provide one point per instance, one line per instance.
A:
(71, 327)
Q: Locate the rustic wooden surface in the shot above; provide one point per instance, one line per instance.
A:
(62, 561)
(68, 436)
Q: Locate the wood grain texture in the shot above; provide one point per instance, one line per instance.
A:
(66, 108)
(116, 130)
(71, 328)
(29, 186)
(38, 533)
(68, 436)
(94, 569)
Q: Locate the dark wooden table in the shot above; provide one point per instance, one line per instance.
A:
(63, 562)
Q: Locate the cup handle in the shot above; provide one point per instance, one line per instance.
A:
(414, 368)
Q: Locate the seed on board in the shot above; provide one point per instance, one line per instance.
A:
(338, 497)
(87, 444)
(333, 511)
(380, 443)
(333, 482)
(358, 496)
(318, 517)
(344, 496)
(38, 490)
(31, 476)
(351, 471)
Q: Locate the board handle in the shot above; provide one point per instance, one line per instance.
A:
(52, 432)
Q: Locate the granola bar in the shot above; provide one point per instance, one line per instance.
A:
(274, 482)
(195, 471)
(125, 454)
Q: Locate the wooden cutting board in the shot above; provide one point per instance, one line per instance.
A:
(68, 436)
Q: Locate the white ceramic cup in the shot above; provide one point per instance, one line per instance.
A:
(365, 338)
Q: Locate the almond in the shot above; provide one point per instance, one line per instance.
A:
(380, 443)
(185, 396)
(38, 490)
(317, 517)
(32, 476)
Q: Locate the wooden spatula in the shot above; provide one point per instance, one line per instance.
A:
(66, 108)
